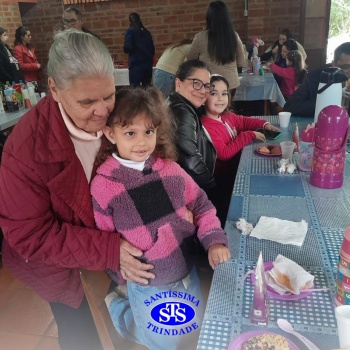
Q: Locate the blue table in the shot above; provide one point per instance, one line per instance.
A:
(9, 119)
(258, 87)
(260, 190)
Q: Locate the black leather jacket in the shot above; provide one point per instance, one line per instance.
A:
(197, 154)
(303, 100)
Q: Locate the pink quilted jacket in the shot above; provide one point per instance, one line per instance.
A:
(45, 209)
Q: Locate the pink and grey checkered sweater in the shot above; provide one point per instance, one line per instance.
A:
(148, 208)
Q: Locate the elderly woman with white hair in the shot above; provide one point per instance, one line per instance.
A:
(45, 206)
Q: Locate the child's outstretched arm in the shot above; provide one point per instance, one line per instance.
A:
(218, 254)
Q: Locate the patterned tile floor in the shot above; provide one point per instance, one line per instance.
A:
(26, 321)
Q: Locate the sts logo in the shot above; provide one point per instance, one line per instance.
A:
(173, 313)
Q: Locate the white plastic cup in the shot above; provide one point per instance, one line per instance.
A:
(342, 314)
(284, 118)
(287, 148)
(31, 93)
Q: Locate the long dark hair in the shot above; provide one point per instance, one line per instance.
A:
(297, 61)
(20, 33)
(222, 40)
(291, 45)
(134, 102)
(135, 21)
(2, 45)
(2, 31)
(287, 33)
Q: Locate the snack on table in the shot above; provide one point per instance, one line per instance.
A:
(264, 150)
(276, 150)
(267, 342)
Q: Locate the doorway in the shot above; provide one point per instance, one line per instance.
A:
(339, 30)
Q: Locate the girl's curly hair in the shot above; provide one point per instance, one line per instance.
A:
(133, 102)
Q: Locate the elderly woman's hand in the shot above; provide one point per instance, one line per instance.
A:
(130, 267)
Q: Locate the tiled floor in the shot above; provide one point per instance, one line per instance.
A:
(26, 321)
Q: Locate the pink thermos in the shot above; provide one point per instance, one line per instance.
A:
(330, 148)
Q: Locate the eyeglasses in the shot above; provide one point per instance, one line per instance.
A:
(69, 22)
(198, 84)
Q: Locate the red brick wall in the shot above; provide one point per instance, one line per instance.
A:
(10, 19)
(168, 21)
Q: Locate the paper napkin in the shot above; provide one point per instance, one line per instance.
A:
(288, 276)
(282, 231)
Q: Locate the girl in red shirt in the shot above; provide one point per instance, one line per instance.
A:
(229, 133)
(292, 76)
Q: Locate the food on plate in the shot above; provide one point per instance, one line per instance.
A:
(276, 150)
(264, 150)
(266, 342)
(284, 280)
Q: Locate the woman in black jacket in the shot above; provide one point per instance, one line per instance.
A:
(197, 154)
(9, 67)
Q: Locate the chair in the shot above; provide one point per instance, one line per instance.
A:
(96, 284)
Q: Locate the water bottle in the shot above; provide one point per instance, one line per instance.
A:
(27, 103)
(256, 65)
(31, 93)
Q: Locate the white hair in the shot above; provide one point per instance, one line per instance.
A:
(75, 54)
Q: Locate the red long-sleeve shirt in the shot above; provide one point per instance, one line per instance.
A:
(287, 84)
(226, 144)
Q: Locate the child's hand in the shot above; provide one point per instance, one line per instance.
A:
(269, 126)
(268, 64)
(259, 136)
(217, 254)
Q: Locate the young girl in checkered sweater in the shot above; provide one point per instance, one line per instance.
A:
(141, 192)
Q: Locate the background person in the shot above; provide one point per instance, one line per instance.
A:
(303, 101)
(142, 193)
(138, 44)
(25, 54)
(291, 76)
(9, 66)
(274, 51)
(288, 45)
(168, 64)
(45, 205)
(219, 46)
(73, 18)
